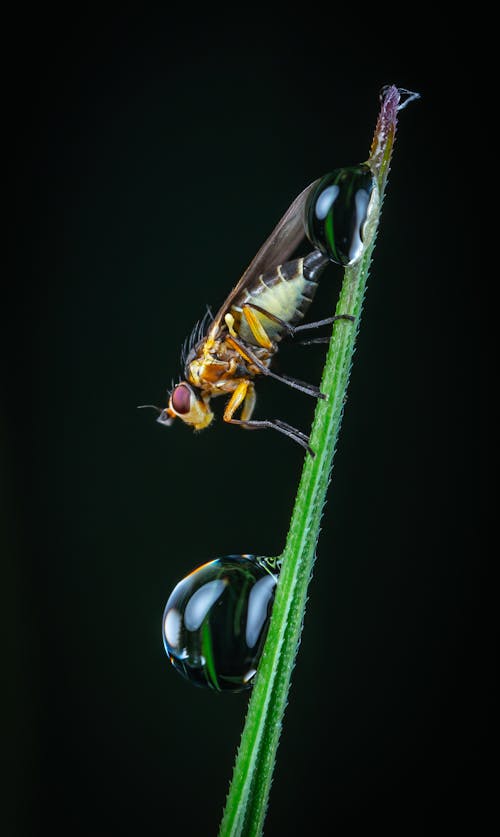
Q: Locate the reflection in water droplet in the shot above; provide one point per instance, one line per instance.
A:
(337, 212)
(260, 595)
(200, 603)
(325, 201)
(172, 627)
(216, 620)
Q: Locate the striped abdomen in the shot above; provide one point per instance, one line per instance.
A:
(286, 291)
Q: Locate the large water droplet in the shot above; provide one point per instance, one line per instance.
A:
(216, 619)
(337, 211)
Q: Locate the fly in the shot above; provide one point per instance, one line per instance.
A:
(227, 354)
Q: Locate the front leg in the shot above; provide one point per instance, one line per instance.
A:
(250, 357)
(245, 394)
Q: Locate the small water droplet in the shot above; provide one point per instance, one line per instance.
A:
(216, 619)
(337, 212)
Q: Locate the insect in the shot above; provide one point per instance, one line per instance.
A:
(226, 354)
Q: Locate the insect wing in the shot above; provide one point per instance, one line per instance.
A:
(284, 239)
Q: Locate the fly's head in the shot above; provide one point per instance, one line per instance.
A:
(184, 403)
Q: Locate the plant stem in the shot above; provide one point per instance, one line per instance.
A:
(249, 791)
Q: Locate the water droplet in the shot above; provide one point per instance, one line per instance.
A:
(337, 212)
(216, 619)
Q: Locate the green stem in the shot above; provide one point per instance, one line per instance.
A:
(249, 791)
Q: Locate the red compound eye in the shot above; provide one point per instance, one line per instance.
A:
(181, 399)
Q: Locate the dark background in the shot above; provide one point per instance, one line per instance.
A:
(151, 159)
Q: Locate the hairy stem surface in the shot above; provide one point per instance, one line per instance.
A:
(249, 791)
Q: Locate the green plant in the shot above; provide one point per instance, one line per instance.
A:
(249, 791)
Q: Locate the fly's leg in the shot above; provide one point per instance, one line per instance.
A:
(257, 328)
(314, 341)
(244, 390)
(247, 311)
(291, 330)
(249, 403)
(281, 427)
(318, 324)
(244, 394)
(249, 356)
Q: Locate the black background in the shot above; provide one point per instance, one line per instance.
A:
(151, 159)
